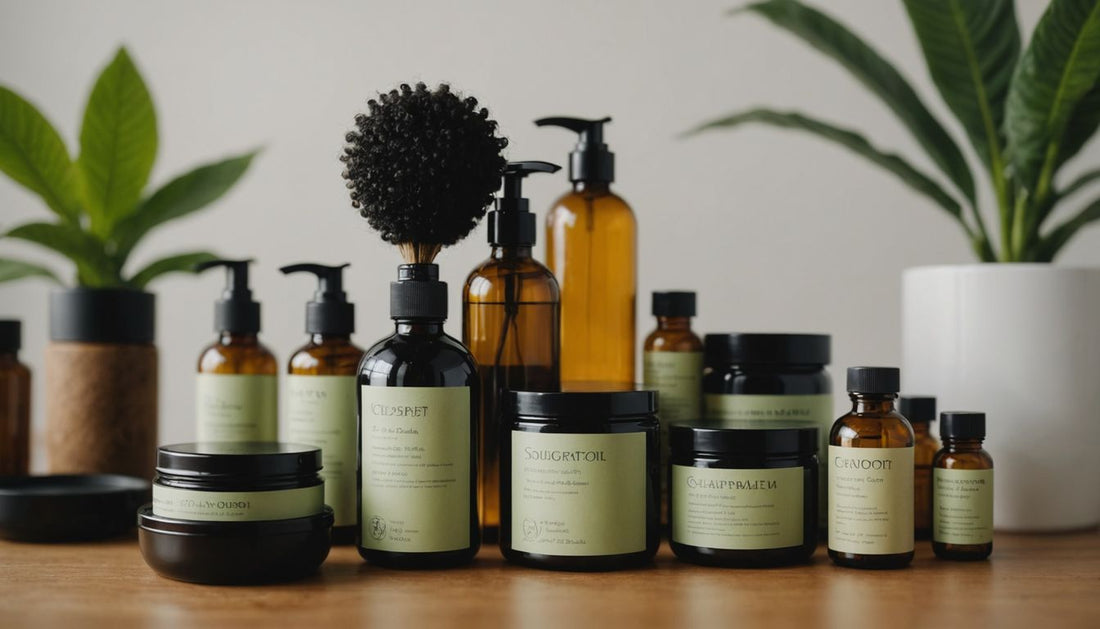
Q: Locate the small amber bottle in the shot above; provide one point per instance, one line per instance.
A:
(870, 469)
(921, 412)
(962, 490)
(15, 403)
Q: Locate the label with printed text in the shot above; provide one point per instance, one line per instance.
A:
(870, 500)
(962, 506)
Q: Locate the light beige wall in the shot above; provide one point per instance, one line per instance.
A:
(776, 231)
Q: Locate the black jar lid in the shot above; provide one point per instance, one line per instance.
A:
(918, 408)
(255, 459)
(583, 399)
(962, 425)
(759, 438)
(767, 349)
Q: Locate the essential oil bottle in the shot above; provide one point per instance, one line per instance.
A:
(870, 466)
(962, 489)
(920, 410)
(418, 402)
(15, 403)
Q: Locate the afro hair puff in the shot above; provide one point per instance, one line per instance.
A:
(423, 164)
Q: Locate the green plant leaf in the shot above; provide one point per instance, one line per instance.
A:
(876, 74)
(33, 154)
(87, 252)
(1058, 69)
(179, 197)
(850, 140)
(1058, 237)
(181, 263)
(971, 48)
(118, 143)
(17, 269)
(1081, 182)
(1082, 126)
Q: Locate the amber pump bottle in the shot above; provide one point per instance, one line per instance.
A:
(962, 490)
(320, 392)
(15, 403)
(921, 412)
(591, 243)
(870, 467)
(510, 324)
(237, 395)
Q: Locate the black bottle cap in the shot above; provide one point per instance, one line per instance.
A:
(962, 425)
(590, 160)
(11, 335)
(674, 303)
(744, 437)
(918, 408)
(874, 379)
(102, 315)
(235, 312)
(582, 399)
(767, 349)
(418, 293)
(329, 311)
(512, 223)
(215, 459)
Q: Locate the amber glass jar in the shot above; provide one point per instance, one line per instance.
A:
(962, 490)
(921, 412)
(15, 403)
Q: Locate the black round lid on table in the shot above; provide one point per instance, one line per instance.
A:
(69, 508)
(768, 349)
(586, 399)
(745, 437)
(248, 458)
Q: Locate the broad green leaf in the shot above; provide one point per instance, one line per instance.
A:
(181, 263)
(1058, 69)
(32, 153)
(876, 74)
(86, 251)
(1053, 242)
(17, 269)
(118, 143)
(180, 197)
(1082, 126)
(971, 48)
(850, 140)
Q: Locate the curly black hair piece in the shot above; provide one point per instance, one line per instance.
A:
(422, 166)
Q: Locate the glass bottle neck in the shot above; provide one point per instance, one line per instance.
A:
(962, 445)
(423, 327)
(873, 403)
(329, 339)
(238, 338)
(500, 252)
(591, 187)
(673, 323)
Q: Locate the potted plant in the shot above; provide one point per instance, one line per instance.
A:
(1020, 341)
(101, 364)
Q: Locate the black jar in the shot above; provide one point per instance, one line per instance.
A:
(743, 494)
(580, 478)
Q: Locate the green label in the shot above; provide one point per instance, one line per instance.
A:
(416, 455)
(870, 500)
(237, 506)
(320, 411)
(962, 506)
(578, 494)
(751, 509)
(677, 377)
(237, 407)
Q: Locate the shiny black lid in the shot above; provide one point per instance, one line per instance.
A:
(767, 349)
(918, 408)
(250, 458)
(582, 399)
(744, 438)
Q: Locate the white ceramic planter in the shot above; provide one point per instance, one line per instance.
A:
(1020, 342)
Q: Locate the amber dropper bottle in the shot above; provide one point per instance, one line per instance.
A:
(921, 412)
(15, 403)
(320, 392)
(962, 490)
(511, 325)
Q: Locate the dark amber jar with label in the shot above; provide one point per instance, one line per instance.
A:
(743, 494)
(580, 478)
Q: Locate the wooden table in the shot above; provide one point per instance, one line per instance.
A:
(1039, 582)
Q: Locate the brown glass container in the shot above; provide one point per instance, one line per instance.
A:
(15, 403)
(921, 412)
(962, 434)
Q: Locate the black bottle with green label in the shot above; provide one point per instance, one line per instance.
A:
(417, 463)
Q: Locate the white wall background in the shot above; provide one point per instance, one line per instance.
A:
(776, 230)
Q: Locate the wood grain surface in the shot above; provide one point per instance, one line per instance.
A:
(1039, 582)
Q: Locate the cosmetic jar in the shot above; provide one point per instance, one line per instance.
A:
(743, 494)
(580, 478)
(236, 513)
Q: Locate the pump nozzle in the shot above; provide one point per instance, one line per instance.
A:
(590, 160)
(511, 223)
(236, 311)
(329, 312)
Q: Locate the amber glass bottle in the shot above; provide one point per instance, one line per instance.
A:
(15, 403)
(921, 412)
(870, 466)
(962, 490)
(591, 250)
(510, 324)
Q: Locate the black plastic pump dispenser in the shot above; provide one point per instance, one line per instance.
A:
(329, 312)
(236, 312)
(512, 224)
(591, 160)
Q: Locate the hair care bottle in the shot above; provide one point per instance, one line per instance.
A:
(418, 403)
(237, 395)
(320, 392)
(962, 489)
(511, 325)
(15, 403)
(591, 244)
